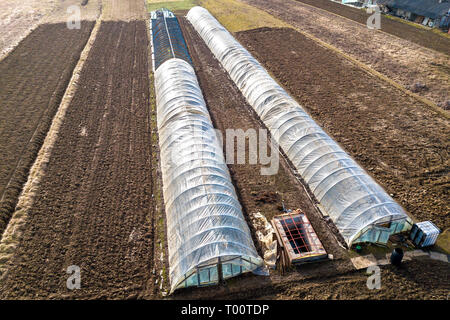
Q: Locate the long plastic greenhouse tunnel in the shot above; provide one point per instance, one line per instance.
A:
(208, 237)
(167, 38)
(359, 207)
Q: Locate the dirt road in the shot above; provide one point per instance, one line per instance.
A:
(398, 140)
(94, 208)
(425, 71)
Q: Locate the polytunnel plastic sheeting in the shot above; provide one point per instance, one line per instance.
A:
(205, 223)
(352, 199)
(167, 38)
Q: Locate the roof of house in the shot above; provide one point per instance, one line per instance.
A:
(428, 8)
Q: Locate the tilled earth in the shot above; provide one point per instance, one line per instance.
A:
(421, 36)
(94, 208)
(398, 140)
(425, 72)
(124, 10)
(33, 80)
(18, 18)
(418, 279)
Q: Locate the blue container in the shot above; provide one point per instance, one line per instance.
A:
(424, 234)
(397, 256)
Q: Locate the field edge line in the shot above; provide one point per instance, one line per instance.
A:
(430, 104)
(379, 30)
(160, 267)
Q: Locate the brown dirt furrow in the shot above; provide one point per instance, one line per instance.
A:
(33, 80)
(423, 71)
(257, 193)
(398, 140)
(94, 208)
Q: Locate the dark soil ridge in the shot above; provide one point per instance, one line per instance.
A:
(94, 207)
(398, 140)
(34, 78)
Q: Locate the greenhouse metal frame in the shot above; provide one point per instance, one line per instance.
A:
(208, 236)
(359, 207)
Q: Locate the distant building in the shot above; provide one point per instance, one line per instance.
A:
(432, 13)
(353, 3)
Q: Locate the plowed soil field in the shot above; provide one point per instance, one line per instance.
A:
(34, 77)
(418, 279)
(94, 208)
(421, 36)
(124, 10)
(397, 139)
(424, 71)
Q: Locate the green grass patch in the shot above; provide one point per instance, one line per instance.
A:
(234, 15)
(419, 26)
(171, 4)
(237, 16)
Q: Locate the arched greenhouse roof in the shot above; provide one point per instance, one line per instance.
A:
(206, 227)
(353, 200)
